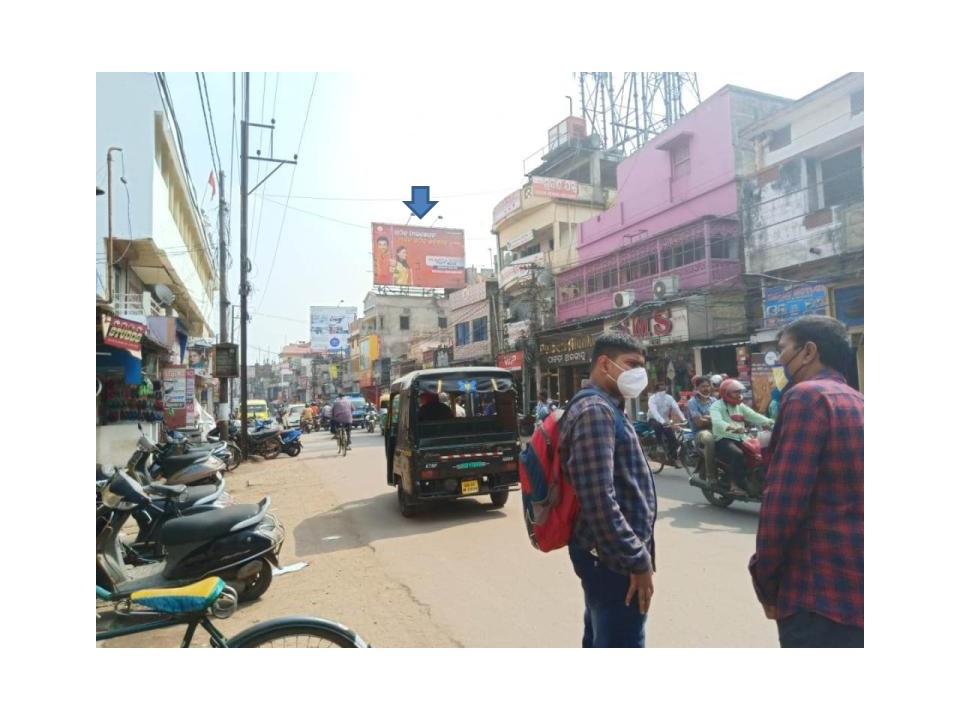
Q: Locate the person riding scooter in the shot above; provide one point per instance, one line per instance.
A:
(728, 415)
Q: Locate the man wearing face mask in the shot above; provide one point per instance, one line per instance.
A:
(612, 548)
(698, 412)
(808, 568)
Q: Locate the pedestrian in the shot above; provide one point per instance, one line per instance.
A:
(611, 548)
(808, 568)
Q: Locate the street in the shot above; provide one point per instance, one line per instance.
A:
(463, 574)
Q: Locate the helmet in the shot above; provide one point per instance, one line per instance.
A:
(728, 386)
(715, 380)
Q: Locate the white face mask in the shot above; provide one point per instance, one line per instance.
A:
(632, 382)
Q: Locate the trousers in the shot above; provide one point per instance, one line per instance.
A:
(607, 622)
(810, 630)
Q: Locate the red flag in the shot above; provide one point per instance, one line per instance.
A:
(213, 184)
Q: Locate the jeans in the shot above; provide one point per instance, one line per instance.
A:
(607, 622)
(807, 629)
(730, 452)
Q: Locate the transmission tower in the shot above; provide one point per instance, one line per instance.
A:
(628, 111)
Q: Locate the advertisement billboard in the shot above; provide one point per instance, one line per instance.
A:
(418, 256)
(330, 327)
(782, 304)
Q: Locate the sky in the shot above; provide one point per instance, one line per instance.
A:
(362, 141)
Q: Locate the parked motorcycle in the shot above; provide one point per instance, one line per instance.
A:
(177, 444)
(752, 485)
(290, 441)
(241, 544)
(150, 465)
(264, 440)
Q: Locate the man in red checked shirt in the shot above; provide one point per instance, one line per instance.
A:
(808, 568)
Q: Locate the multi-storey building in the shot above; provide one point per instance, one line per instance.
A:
(155, 264)
(803, 212)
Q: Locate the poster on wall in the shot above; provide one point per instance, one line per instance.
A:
(178, 396)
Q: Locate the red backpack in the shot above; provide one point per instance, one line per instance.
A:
(550, 505)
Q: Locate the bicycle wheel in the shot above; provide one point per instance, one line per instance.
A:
(655, 454)
(297, 632)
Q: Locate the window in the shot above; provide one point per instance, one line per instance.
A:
(683, 254)
(842, 179)
(442, 323)
(723, 247)
(779, 138)
(856, 102)
(404, 322)
(571, 290)
(680, 160)
(480, 329)
(462, 333)
(602, 280)
(640, 268)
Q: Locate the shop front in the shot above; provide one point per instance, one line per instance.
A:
(564, 360)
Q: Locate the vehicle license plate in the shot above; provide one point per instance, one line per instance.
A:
(469, 487)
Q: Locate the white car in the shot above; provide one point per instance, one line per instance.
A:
(291, 418)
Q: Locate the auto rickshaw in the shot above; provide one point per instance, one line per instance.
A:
(438, 453)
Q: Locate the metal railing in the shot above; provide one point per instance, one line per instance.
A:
(136, 304)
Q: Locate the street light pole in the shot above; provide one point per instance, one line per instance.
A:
(244, 151)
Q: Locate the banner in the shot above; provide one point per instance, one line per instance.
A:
(510, 360)
(555, 187)
(406, 255)
(510, 204)
(330, 327)
(782, 304)
(122, 333)
(178, 396)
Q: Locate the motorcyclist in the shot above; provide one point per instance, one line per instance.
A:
(698, 413)
(728, 415)
(342, 414)
(662, 413)
(306, 417)
(326, 412)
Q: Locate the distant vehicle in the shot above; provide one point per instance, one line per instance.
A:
(258, 410)
(359, 403)
(291, 418)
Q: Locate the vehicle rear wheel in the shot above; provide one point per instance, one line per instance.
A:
(718, 499)
(233, 461)
(254, 586)
(654, 453)
(407, 509)
(499, 498)
(271, 449)
(293, 449)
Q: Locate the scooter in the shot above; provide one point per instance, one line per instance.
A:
(177, 444)
(752, 485)
(306, 426)
(290, 441)
(190, 468)
(371, 420)
(264, 440)
(241, 544)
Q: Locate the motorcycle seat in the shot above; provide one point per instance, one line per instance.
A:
(264, 434)
(206, 526)
(176, 463)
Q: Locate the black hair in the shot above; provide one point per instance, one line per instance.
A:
(613, 345)
(827, 333)
(402, 261)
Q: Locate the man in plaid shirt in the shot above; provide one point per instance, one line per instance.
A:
(808, 568)
(612, 547)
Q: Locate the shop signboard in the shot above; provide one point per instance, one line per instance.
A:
(848, 305)
(567, 350)
(519, 240)
(509, 205)
(660, 327)
(123, 333)
(783, 304)
(510, 360)
(226, 360)
(555, 187)
(178, 396)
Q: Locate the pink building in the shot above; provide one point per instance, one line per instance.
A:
(673, 236)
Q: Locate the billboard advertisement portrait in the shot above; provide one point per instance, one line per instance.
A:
(418, 256)
(330, 327)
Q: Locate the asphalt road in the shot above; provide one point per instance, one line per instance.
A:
(464, 574)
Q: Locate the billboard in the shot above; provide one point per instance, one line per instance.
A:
(418, 256)
(330, 327)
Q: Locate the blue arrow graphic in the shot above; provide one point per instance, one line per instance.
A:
(420, 203)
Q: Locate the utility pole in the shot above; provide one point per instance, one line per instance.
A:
(245, 125)
(223, 411)
(110, 223)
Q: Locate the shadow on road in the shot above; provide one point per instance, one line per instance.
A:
(363, 522)
(709, 519)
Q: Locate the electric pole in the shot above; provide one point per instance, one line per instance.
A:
(223, 411)
(245, 125)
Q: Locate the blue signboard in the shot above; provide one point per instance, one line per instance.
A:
(848, 303)
(783, 304)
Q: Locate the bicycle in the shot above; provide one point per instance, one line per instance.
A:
(342, 443)
(193, 605)
(655, 451)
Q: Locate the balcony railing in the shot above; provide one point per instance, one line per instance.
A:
(137, 304)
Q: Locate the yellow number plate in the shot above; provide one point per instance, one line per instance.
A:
(469, 487)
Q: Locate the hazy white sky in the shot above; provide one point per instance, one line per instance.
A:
(362, 141)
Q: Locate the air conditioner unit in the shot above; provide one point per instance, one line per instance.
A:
(666, 286)
(623, 299)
